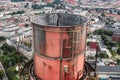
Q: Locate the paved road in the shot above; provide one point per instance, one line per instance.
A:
(1, 67)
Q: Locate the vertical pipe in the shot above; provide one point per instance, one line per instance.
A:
(72, 44)
(85, 40)
(73, 49)
(85, 28)
(96, 61)
(77, 49)
(34, 45)
(61, 51)
(34, 37)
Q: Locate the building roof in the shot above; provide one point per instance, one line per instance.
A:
(115, 78)
(117, 32)
(108, 69)
(93, 45)
(105, 69)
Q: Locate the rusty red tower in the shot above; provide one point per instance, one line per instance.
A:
(59, 45)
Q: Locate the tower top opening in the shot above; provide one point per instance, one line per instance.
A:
(59, 19)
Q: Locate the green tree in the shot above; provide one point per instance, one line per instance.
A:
(1, 74)
(109, 33)
(6, 62)
(13, 59)
(109, 47)
(88, 43)
(50, 5)
(118, 61)
(35, 6)
(113, 53)
(103, 37)
(20, 12)
(113, 44)
(103, 14)
(2, 38)
(118, 43)
(26, 5)
(118, 51)
(57, 2)
(6, 48)
(26, 25)
(17, 12)
(5, 52)
(99, 32)
(103, 55)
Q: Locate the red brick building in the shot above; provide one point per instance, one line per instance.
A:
(93, 45)
(73, 2)
(2, 8)
(48, 1)
(116, 36)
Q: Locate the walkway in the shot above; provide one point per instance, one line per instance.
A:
(108, 53)
(2, 68)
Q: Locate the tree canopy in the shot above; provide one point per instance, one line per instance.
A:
(1, 74)
(18, 12)
(118, 51)
(10, 56)
(2, 38)
(103, 55)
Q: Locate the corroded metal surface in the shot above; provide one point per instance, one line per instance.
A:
(59, 43)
